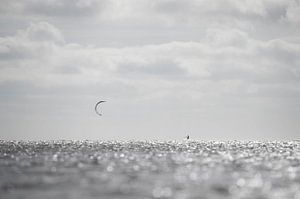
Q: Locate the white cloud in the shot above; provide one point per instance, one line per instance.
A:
(37, 41)
(225, 54)
(169, 11)
(42, 32)
(292, 13)
(143, 22)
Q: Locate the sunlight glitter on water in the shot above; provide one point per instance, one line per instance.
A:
(113, 169)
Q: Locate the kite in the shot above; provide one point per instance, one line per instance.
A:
(96, 107)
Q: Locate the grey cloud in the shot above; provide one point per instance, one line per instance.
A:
(173, 7)
(197, 11)
(277, 12)
(41, 32)
(292, 14)
(262, 75)
(64, 8)
(115, 23)
(159, 68)
(282, 52)
(227, 37)
(69, 69)
(37, 40)
(11, 50)
(235, 55)
(225, 54)
(174, 10)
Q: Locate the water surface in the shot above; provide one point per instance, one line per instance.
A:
(113, 169)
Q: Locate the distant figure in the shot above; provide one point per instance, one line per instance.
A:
(187, 137)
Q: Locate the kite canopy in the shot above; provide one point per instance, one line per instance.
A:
(96, 107)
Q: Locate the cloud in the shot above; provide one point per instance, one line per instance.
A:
(169, 11)
(42, 32)
(292, 13)
(227, 37)
(37, 41)
(160, 68)
(197, 13)
(40, 55)
(144, 22)
(54, 8)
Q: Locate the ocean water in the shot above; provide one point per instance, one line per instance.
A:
(114, 169)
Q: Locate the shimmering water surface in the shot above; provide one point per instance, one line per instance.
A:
(112, 169)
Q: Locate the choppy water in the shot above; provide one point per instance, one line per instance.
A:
(188, 169)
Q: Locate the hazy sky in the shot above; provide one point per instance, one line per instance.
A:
(214, 69)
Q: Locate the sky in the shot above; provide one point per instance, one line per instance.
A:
(213, 69)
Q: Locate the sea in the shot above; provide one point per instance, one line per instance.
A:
(186, 169)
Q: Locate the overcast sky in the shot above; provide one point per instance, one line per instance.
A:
(213, 69)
